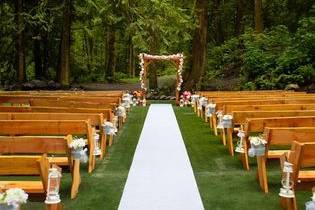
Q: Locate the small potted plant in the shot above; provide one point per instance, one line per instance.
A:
(77, 147)
(12, 198)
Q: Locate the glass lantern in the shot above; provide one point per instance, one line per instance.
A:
(287, 184)
(144, 102)
(227, 121)
(240, 147)
(97, 149)
(53, 186)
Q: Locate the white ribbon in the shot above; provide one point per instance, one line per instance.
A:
(210, 109)
(121, 111)
(109, 128)
(257, 146)
(227, 121)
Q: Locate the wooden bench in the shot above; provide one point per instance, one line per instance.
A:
(252, 106)
(57, 146)
(302, 156)
(25, 99)
(257, 125)
(96, 120)
(239, 118)
(51, 127)
(283, 136)
(25, 165)
(108, 113)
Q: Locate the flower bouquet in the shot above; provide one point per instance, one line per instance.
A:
(77, 147)
(12, 198)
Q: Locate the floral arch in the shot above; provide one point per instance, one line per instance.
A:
(176, 59)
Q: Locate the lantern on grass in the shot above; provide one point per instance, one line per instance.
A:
(194, 98)
(97, 149)
(257, 146)
(310, 205)
(144, 102)
(53, 186)
(240, 147)
(287, 184)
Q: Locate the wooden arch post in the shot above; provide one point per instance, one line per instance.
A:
(177, 60)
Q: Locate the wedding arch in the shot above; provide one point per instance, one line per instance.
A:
(176, 59)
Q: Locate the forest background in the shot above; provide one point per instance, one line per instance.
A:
(228, 44)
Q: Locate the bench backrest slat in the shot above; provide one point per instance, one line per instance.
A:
(258, 124)
(33, 145)
(286, 135)
(239, 117)
(19, 165)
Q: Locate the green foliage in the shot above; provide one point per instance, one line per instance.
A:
(269, 60)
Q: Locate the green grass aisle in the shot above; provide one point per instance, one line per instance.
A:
(102, 189)
(222, 182)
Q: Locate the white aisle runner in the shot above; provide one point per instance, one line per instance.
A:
(161, 176)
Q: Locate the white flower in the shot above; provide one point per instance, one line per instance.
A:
(15, 196)
(256, 140)
(78, 143)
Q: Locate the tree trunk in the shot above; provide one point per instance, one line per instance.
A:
(217, 24)
(111, 55)
(45, 60)
(19, 44)
(239, 27)
(259, 26)
(37, 57)
(64, 60)
(199, 47)
(130, 55)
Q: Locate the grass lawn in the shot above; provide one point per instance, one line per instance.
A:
(222, 182)
(102, 189)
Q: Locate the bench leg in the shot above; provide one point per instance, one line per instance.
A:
(76, 179)
(230, 141)
(244, 156)
(103, 145)
(215, 125)
(110, 143)
(262, 173)
(211, 122)
(223, 136)
(54, 206)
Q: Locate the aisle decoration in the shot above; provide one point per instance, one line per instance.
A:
(109, 128)
(240, 147)
(186, 97)
(78, 152)
(97, 150)
(178, 56)
(227, 121)
(220, 116)
(210, 109)
(257, 146)
(127, 100)
(287, 184)
(310, 205)
(53, 187)
(12, 198)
